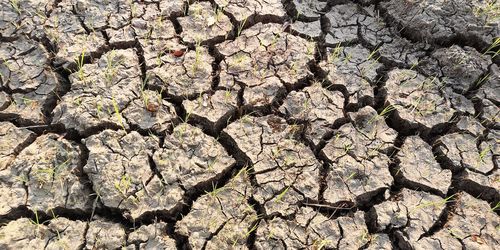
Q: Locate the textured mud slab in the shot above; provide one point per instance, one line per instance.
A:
(257, 124)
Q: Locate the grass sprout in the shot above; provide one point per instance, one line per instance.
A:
(494, 48)
(241, 26)
(385, 112)
(79, 64)
(117, 112)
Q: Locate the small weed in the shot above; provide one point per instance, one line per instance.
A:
(435, 204)
(188, 115)
(117, 112)
(133, 8)
(215, 191)
(197, 56)
(211, 164)
(240, 58)
(494, 48)
(123, 185)
(414, 65)
(15, 5)
(347, 148)
(111, 69)
(372, 55)
(482, 155)
(79, 64)
(37, 220)
(77, 101)
(246, 234)
(366, 236)
(351, 176)
(310, 47)
(280, 196)
(29, 102)
(227, 96)
(348, 58)
(46, 175)
(321, 244)
(335, 54)
(490, 11)
(385, 112)
(496, 207)
(483, 80)
(197, 11)
(218, 14)
(241, 26)
(276, 37)
(306, 104)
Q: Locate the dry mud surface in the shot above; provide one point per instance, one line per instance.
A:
(256, 124)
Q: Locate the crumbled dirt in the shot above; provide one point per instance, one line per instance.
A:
(257, 124)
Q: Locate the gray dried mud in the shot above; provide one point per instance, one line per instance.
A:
(258, 124)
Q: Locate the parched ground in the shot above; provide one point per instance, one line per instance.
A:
(249, 124)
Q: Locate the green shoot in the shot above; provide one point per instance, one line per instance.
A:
(385, 112)
(188, 115)
(351, 176)
(414, 65)
(491, 50)
(15, 5)
(54, 216)
(321, 244)
(133, 8)
(490, 11)
(197, 56)
(496, 207)
(117, 112)
(99, 110)
(247, 233)
(347, 148)
(483, 154)
(306, 104)
(197, 11)
(37, 220)
(483, 80)
(311, 47)
(241, 26)
(215, 190)
(111, 69)
(123, 185)
(211, 164)
(372, 54)
(227, 96)
(335, 54)
(280, 196)
(79, 64)
(415, 104)
(218, 14)
(435, 204)
(348, 58)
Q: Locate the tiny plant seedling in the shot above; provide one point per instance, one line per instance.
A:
(117, 112)
(494, 49)
(385, 112)
(197, 56)
(79, 64)
(280, 196)
(241, 26)
(15, 5)
(335, 54)
(215, 191)
(435, 204)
